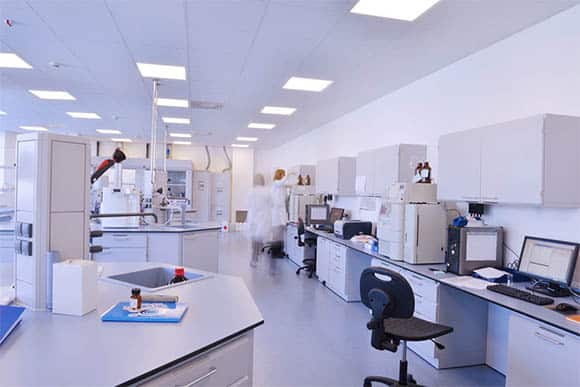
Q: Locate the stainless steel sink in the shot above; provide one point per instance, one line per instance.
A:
(153, 279)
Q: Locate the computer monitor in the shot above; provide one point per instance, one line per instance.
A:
(335, 214)
(549, 260)
(317, 214)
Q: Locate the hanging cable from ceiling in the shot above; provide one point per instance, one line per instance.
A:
(208, 158)
(229, 168)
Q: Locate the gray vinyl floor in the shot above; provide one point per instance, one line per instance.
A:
(312, 338)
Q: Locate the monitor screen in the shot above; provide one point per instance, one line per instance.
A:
(317, 214)
(336, 214)
(548, 259)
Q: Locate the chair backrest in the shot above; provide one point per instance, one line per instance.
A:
(388, 295)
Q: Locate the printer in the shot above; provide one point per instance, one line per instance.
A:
(346, 229)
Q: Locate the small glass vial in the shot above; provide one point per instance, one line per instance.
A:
(426, 173)
(136, 299)
(307, 180)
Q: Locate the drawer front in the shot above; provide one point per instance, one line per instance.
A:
(337, 280)
(111, 254)
(422, 286)
(425, 309)
(229, 365)
(541, 355)
(121, 240)
(7, 240)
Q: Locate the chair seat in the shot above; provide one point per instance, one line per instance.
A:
(414, 329)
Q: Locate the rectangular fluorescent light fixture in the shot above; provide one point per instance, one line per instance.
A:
(240, 145)
(50, 94)
(257, 125)
(175, 120)
(306, 84)
(108, 131)
(284, 111)
(158, 71)
(249, 139)
(172, 102)
(12, 61)
(88, 116)
(2, 113)
(182, 142)
(121, 140)
(34, 128)
(180, 135)
(407, 10)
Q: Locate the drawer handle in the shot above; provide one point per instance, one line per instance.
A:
(120, 236)
(211, 371)
(548, 339)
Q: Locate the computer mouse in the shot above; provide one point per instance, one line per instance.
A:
(563, 307)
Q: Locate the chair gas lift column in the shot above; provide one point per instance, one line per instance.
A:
(390, 298)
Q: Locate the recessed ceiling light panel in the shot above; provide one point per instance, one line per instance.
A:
(240, 145)
(158, 71)
(2, 113)
(88, 116)
(12, 61)
(249, 139)
(34, 128)
(172, 102)
(108, 131)
(306, 84)
(121, 140)
(258, 125)
(407, 10)
(176, 120)
(182, 142)
(284, 111)
(180, 135)
(51, 94)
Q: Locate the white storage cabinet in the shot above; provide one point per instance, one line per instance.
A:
(541, 355)
(377, 169)
(122, 247)
(336, 176)
(230, 365)
(530, 161)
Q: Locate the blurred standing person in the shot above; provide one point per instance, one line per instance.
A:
(279, 211)
(259, 217)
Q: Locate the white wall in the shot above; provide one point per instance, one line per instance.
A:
(534, 71)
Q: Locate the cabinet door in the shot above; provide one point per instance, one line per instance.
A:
(322, 259)
(165, 248)
(512, 162)
(460, 166)
(365, 172)
(386, 169)
(540, 355)
(327, 176)
(201, 250)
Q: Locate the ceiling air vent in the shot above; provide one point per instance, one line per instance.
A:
(206, 105)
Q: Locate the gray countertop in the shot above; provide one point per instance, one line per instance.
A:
(191, 227)
(50, 349)
(541, 313)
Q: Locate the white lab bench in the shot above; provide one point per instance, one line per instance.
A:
(213, 343)
(531, 344)
(194, 246)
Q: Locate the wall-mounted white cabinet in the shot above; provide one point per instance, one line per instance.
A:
(377, 169)
(531, 161)
(336, 176)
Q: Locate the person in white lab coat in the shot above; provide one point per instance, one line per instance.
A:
(259, 217)
(279, 211)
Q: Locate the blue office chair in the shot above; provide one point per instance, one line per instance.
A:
(391, 300)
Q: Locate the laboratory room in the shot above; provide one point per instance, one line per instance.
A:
(290, 193)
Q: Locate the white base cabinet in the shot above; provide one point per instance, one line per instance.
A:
(340, 268)
(530, 161)
(541, 355)
(466, 345)
(229, 365)
(294, 252)
(122, 247)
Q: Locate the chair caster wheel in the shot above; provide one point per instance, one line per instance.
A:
(298, 272)
(367, 384)
(411, 379)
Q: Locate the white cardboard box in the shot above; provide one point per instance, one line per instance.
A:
(74, 287)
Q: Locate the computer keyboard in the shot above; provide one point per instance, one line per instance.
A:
(520, 294)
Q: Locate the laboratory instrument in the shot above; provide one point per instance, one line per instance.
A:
(470, 248)
(424, 239)
(317, 214)
(74, 287)
(346, 229)
(412, 193)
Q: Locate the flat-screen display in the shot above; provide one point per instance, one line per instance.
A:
(548, 259)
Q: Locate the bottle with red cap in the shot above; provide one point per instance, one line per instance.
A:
(179, 275)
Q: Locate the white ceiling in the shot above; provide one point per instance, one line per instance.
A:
(237, 52)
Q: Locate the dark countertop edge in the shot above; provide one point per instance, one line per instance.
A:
(174, 231)
(189, 356)
(349, 244)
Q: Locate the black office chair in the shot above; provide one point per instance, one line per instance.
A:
(309, 264)
(274, 248)
(391, 301)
